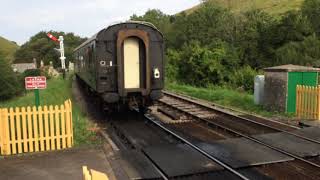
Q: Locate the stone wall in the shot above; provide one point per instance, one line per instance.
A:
(276, 89)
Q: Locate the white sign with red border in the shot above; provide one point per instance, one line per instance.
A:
(38, 82)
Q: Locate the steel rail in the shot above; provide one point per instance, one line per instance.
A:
(154, 165)
(241, 118)
(227, 167)
(247, 137)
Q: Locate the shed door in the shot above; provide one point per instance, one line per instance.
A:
(299, 78)
(131, 63)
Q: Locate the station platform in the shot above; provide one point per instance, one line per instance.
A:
(311, 123)
(63, 165)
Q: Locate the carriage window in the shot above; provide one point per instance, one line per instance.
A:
(89, 54)
(93, 55)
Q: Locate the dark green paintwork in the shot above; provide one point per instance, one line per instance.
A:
(298, 78)
(310, 78)
(37, 97)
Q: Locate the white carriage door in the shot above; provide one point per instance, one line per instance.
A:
(131, 64)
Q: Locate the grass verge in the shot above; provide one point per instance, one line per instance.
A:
(59, 90)
(226, 97)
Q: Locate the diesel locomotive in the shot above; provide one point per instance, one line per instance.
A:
(123, 64)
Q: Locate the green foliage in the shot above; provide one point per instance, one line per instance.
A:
(59, 90)
(311, 9)
(9, 85)
(32, 72)
(7, 49)
(273, 7)
(206, 25)
(41, 47)
(172, 64)
(255, 38)
(202, 66)
(217, 46)
(306, 52)
(294, 26)
(157, 18)
(223, 96)
(244, 78)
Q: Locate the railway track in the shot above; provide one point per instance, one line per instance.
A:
(155, 142)
(229, 121)
(198, 117)
(142, 142)
(150, 133)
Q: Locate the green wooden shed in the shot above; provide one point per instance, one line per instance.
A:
(281, 82)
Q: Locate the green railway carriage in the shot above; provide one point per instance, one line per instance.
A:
(123, 63)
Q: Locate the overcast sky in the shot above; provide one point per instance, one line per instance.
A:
(20, 19)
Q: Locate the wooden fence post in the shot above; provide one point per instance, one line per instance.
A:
(68, 124)
(46, 127)
(18, 129)
(30, 134)
(298, 96)
(24, 129)
(308, 102)
(41, 131)
(57, 121)
(71, 122)
(5, 133)
(12, 130)
(63, 126)
(51, 112)
(314, 103)
(35, 129)
(2, 133)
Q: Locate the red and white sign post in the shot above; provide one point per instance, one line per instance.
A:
(36, 83)
(61, 50)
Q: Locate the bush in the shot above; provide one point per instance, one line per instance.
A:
(171, 68)
(9, 85)
(244, 78)
(200, 66)
(31, 72)
(306, 52)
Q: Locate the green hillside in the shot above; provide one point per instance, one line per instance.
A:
(270, 6)
(7, 48)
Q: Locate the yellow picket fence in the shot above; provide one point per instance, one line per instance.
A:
(308, 102)
(93, 175)
(34, 129)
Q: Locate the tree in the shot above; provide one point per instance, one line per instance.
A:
(311, 9)
(42, 48)
(202, 66)
(255, 39)
(9, 85)
(306, 52)
(294, 26)
(158, 18)
(207, 24)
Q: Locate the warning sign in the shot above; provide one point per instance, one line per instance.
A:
(38, 82)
